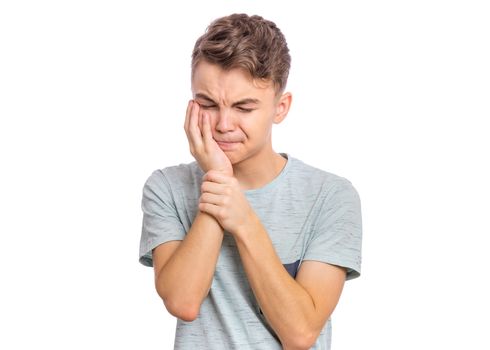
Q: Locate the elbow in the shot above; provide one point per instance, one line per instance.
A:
(185, 311)
(303, 341)
(179, 306)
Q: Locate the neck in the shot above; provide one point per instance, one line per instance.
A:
(258, 170)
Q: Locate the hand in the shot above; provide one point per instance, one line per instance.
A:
(201, 143)
(222, 198)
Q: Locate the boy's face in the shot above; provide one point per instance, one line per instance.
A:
(241, 110)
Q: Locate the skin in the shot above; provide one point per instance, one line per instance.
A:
(239, 109)
(231, 106)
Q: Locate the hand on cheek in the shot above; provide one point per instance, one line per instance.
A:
(201, 143)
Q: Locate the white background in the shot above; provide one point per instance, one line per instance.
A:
(392, 95)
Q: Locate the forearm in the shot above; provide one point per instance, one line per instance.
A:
(287, 306)
(184, 281)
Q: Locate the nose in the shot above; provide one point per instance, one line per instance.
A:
(224, 122)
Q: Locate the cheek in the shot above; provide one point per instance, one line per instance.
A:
(253, 129)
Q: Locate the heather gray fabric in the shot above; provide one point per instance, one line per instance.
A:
(309, 214)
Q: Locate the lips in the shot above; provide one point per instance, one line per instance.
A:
(227, 145)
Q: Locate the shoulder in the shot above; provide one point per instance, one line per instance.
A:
(181, 176)
(322, 181)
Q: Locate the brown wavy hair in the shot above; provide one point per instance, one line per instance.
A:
(248, 42)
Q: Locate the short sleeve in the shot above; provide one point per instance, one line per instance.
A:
(337, 232)
(161, 222)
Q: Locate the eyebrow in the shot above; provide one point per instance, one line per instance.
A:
(238, 103)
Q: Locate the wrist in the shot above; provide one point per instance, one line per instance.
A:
(211, 223)
(224, 170)
(244, 231)
(228, 171)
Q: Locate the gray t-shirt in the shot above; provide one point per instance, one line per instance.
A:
(309, 214)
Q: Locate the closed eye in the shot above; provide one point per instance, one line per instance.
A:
(240, 109)
(245, 110)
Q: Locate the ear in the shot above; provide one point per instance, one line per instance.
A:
(282, 107)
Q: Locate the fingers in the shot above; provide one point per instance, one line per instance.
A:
(216, 188)
(199, 120)
(187, 117)
(212, 198)
(212, 187)
(211, 209)
(206, 129)
(202, 121)
(218, 177)
(193, 132)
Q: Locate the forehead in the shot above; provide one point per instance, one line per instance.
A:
(228, 84)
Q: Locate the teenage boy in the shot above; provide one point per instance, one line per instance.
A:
(250, 247)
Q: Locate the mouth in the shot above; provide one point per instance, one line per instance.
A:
(227, 145)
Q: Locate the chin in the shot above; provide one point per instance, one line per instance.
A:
(233, 157)
(237, 158)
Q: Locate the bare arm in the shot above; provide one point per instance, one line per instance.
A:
(184, 269)
(298, 309)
